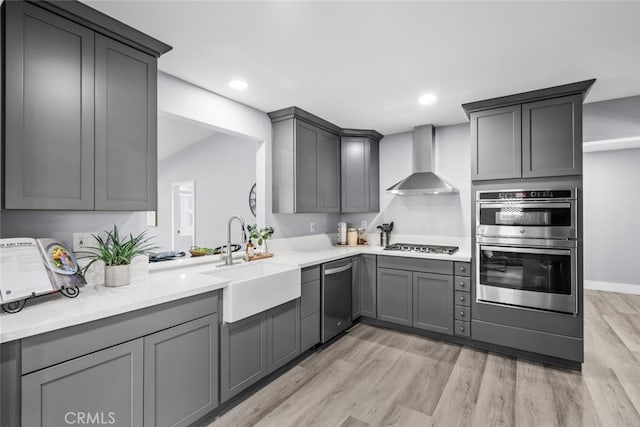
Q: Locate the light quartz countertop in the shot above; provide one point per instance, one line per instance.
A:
(52, 312)
(172, 280)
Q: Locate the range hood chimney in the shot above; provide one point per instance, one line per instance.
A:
(423, 180)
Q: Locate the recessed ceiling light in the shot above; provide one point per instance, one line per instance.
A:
(238, 84)
(427, 99)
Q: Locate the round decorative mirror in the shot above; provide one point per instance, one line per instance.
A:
(252, 199)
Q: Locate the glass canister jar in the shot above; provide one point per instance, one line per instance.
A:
(362, 236)
(352, 237)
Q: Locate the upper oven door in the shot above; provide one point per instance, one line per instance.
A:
(524, 219)
(533, 277)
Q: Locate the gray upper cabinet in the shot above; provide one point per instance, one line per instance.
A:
(125, 127)
(433, 302)
(306, 163)
(181, 373)
(531, 134)
(315, 170)
(360, 171)
(496, 144)
(368, 291)
(328, 172)
(107, 384)
(49, 108)
(552, 137)
(283, 332)
(80, 110)
(395, 296)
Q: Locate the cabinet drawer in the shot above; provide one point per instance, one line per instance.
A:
(310, 274)
(462, 283)
(415, 264)
(462, 298)
(50, 348)
(462, 313)
(462, 328)
(310, 299)
(462, 268)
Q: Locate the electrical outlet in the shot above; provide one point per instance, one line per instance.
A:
(82, 241)
(363, 224)
(312, 227)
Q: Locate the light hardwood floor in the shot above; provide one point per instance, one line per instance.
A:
(378, 377)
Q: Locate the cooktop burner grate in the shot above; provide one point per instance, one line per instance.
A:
(425, 249)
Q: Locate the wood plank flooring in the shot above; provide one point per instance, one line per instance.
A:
(379, 377)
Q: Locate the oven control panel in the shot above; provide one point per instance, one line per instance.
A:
(526, 194)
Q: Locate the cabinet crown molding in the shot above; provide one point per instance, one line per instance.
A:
(104, 24)
(581, 87)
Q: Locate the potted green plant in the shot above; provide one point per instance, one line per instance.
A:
(117, 253)
(260, 236)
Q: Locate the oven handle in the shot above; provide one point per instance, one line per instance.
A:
(525, 205)
(526, 250)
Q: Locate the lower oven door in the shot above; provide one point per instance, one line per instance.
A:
(538, 277)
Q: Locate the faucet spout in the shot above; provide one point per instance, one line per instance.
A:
(227, 257)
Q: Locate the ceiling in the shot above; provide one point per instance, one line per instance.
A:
(363, 64)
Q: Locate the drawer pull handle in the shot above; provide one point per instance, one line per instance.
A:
(462, 269)
(461, 298)
(462, 328)
(462, 314)
(462, 284)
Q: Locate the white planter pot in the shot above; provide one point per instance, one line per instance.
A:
(116, 275)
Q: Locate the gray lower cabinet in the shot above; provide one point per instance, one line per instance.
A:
(125, 127)
(368, 287)
(49, 108)
(181, 373)
(433, 302)
(355, 288)
(254, 347)
(395, 296)
(105, 387)
(243, 354)
(283, 334)
(309, 331)
(310, 308)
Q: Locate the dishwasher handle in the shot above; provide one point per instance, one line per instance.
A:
(337, 270)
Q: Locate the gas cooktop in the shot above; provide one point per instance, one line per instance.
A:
(424, 249)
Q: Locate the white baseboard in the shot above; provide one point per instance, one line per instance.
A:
(627, 288)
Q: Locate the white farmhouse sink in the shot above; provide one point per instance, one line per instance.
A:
(254, 288)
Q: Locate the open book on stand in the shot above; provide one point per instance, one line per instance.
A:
(32, 267)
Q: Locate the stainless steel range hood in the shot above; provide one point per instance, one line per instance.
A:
(423, 180)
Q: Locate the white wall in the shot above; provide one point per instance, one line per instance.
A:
(433, 215)
(611, 220)
(222, 167)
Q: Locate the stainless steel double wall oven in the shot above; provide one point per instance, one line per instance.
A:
(526, 248)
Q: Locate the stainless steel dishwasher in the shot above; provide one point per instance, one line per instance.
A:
(336, 298)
